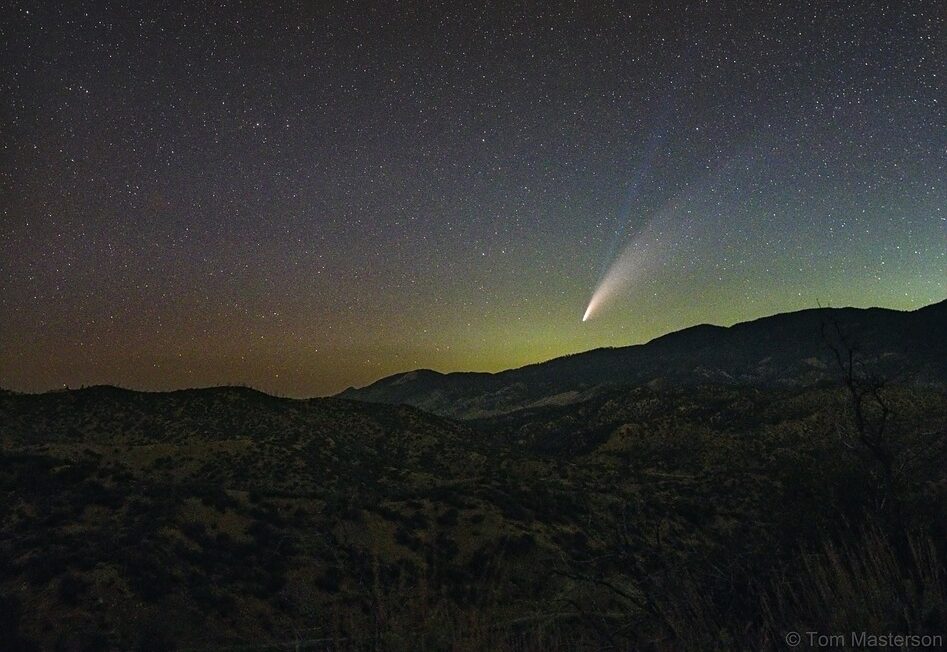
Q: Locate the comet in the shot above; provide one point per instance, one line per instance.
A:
(610, 278)
(666, 236)
(652, 244)
(629, 266)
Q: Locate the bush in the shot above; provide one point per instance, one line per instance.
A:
(71, 588)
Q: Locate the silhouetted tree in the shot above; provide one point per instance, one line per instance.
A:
(870, 413)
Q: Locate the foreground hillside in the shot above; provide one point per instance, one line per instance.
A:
(783, 350)
(702, 517)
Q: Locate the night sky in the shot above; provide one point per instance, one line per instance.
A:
(313, 195)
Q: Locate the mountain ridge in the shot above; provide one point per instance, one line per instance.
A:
(782, 349)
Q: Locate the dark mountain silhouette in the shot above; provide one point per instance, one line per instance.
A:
(782, 350)
(651, 516)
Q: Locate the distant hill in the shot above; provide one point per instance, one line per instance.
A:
(784, 350)
(243, 438)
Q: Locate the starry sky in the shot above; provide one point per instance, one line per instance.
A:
(306, 196)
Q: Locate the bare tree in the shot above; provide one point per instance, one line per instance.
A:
(870, 411)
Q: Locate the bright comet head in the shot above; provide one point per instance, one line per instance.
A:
(588, 313)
